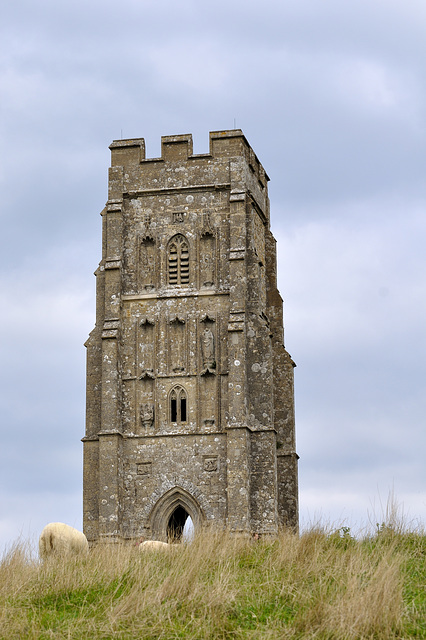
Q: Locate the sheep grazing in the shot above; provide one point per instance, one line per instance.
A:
(60, 539)
(153, 544)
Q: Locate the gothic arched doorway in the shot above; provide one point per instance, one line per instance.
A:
(176, 524)
(173, 511)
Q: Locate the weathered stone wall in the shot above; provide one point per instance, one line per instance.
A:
(154, 465)
(189, 387)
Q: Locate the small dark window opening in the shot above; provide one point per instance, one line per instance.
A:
(173, 410)
(176, 524)
(183, 409)
(178, 405)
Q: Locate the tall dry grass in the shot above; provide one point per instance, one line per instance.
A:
(319, 585)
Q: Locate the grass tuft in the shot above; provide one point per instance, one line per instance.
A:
(322, 584)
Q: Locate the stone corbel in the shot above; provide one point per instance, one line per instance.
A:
(146, 322)
(208, 371)
(147, 237)
(147, 373)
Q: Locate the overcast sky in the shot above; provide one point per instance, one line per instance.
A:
(331, 95)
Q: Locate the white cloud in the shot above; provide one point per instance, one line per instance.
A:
(199, 67)
(354, 274)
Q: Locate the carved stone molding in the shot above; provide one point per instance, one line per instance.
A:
(208, 351)
(207, 229)
(178, 217)
(147, 414)
(147, 261)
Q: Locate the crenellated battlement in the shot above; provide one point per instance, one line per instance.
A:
(179, 148)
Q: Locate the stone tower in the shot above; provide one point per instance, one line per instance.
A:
(190, 405)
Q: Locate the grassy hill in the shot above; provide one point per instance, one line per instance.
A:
(319, 585)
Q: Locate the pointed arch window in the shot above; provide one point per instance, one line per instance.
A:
(178, 260)
(178, 405)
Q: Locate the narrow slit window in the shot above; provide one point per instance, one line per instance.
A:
(173, 410)
(183, 409)
(178, 405)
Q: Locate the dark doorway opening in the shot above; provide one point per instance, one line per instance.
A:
(176, 524)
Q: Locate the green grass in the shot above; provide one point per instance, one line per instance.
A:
(325, 585)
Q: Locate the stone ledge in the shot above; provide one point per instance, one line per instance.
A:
(203, 434)
(237, 254)
(236, 326)
(237, 197)
(112, 264)
(287, 454)
(221, 186)
(164, 294)
(110, 333)
(110, 432)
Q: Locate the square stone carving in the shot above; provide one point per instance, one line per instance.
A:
(210, 463)
(144, 468)
(178, 216)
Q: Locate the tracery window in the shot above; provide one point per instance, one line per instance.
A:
(178, 405)
(178, 260)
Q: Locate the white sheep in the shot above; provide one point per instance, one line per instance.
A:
(153, 544)
(58, 538)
